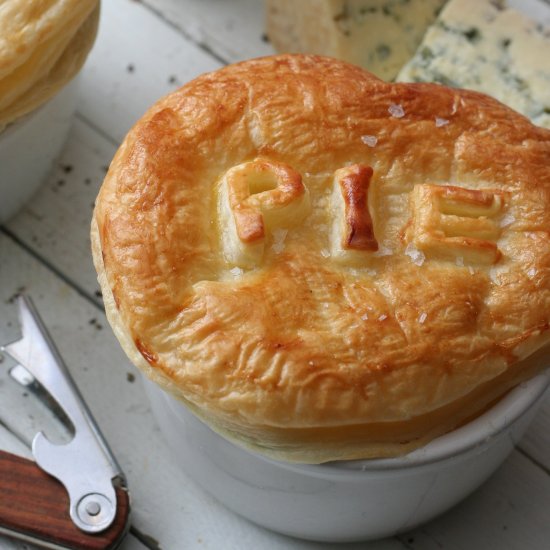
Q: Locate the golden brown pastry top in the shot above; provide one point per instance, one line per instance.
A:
(323, 265)
(43, 43)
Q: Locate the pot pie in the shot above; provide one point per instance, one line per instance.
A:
(323, 265)
(42, 46)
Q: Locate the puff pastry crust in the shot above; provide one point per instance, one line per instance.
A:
(408, 290)
(42, 46)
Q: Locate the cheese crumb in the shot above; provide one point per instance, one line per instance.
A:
(383, 250)
(422, 317)
(396, 111)
(440, 122)
(371, 141)
(417, 257)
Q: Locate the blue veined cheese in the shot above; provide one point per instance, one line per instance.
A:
(379, 35)
(488, 47)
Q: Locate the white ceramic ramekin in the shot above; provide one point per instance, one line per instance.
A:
(353, 500)
(30, 146)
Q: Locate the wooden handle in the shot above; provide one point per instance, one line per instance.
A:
(34, 504)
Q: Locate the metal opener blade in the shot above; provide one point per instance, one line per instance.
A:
(98, 505)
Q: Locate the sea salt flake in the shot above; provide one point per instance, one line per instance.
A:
(471, 270)
(371, 141)
(459, 261)
(278, 247)
(279, 236)
(382, 317)
(318, 174)
(365, 317)
(507, 220)
(531, 273)
(422, 317)
(417, 257)
(236, 271)
(396, 110)
(440, 122)
(383, 251)
(371, 272)
(325, 253)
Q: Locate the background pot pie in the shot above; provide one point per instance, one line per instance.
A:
(325, 266)
(42, 46)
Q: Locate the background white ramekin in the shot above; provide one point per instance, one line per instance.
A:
(353, 500)
(30, 146)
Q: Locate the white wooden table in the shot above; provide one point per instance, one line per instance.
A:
(145, 49)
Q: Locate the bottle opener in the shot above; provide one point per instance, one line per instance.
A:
(86, 506)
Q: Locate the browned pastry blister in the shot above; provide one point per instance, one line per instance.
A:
(317, 265)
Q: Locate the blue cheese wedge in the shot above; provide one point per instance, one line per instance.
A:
(488, 47)
(379, 35)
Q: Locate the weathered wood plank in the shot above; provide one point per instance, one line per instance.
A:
(10, 443)
(236, 32)
(536, 442)
(55, 224)
(136, 60)
(509, 512)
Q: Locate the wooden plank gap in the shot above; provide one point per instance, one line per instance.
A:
(12, 431)
(201, 45)
(148, 541)
(48, 265)
(99, 131)
(403, 539)
(534, 461)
